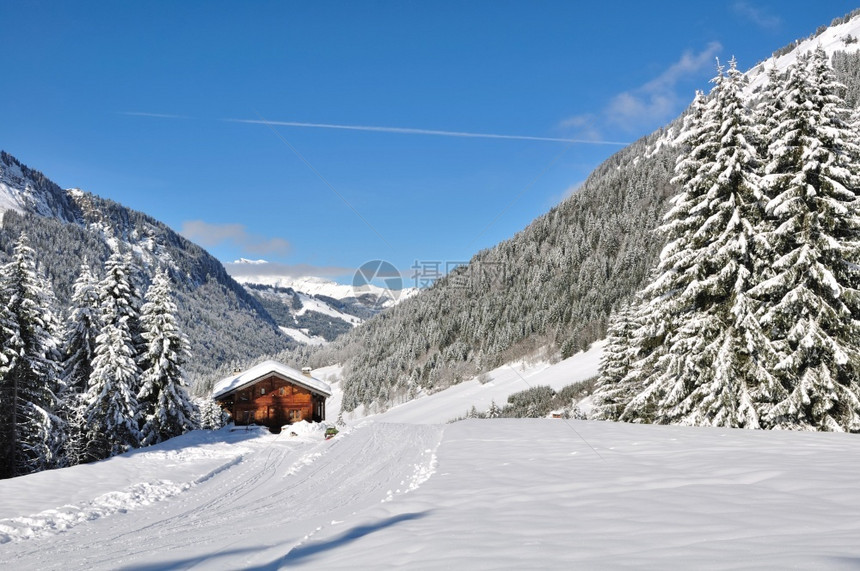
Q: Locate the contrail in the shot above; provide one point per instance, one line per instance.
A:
(156, 115)
(410, 131)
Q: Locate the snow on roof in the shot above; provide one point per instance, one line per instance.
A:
(265, 368)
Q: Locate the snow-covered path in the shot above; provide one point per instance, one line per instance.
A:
(491, 494)
(253, 511)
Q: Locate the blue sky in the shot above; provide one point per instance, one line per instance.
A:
(200, 113)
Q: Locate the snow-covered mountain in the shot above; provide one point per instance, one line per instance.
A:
(841, 36)
(553, 285)
(309, 309)
(259, 272)
(68, 227)
(24, 190)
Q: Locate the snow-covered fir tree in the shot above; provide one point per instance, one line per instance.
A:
(619, 353)
(811, 303)
(31, 435)
(752, 320)
(82, 327)
(654, 319)
(166, 408)
(10, 345)
(112, 409)
(767, 106)
(493, 411)
(697, 329)
(210, 415)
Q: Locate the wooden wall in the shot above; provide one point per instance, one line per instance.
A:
(274, 402)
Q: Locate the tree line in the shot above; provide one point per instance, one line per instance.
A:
(105, 379)
(752, 316)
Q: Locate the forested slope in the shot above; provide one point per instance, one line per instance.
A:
(222, 320)
(551, 286)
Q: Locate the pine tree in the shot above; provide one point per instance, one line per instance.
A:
(10, 346)
(81, 330)
(112, 409)
(811, 302)
(166, 407)
(655, 318)
(618, 356)
(31, 435)
(767, 106)
(721, 341)
(210, 414)
(697, 335)
(615, 361)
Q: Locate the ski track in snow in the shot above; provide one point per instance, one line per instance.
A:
(66, 517)
(289, 484)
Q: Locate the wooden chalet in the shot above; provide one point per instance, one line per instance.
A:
(272, 394)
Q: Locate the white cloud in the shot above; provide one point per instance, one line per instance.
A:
(757, 15)
(292, 270)
(211, 235)
(656, 101)
(585, 126)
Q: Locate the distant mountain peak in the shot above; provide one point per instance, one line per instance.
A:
(25, 190)
(68, 227)
(842, 36)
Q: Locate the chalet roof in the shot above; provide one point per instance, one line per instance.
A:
(264, 369)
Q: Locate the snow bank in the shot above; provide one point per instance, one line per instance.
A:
(62, 518)
(456, 401)
(56, 500)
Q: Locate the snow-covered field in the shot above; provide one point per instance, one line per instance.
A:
(457, 401)
(479, 494)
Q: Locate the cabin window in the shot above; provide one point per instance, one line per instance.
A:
(262, 390)
(295, 415)
(243, 396)
(282, 391)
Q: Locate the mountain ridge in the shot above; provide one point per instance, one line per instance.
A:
(68, 227)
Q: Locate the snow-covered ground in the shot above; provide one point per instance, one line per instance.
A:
(303, 336)
(842, 37)
(312, 304)
(479, 494)
(457, 401)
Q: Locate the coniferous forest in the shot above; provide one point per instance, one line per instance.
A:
(105, 380)
(553, 286)
(751, 318)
